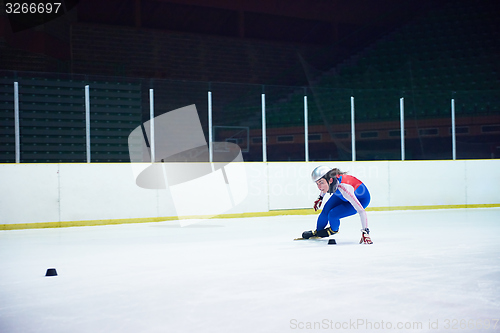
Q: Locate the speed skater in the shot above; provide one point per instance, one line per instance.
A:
(348, 196)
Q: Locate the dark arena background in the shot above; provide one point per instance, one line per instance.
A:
(157, 166)
(317, 67)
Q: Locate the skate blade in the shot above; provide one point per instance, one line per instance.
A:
(300, 238)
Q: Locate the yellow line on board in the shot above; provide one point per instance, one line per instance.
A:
(309, 211)
(432, 207)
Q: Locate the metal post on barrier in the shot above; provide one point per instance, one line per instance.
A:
(210, 134)
(264, 141)
(87, 123)
(453, 133)
(152, 125)
(353, 131)
(306, 128)
(17, 135)
(402, 125)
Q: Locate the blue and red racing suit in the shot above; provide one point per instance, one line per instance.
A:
(351, 197)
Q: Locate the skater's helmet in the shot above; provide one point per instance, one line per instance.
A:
(319, 172)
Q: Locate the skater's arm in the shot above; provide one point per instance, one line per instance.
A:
(319, 201)
(348, 193)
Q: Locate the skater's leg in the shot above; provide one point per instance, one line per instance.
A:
(343, 210)
(332, 202)
(363, 195)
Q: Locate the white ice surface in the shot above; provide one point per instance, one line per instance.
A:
(248, 275)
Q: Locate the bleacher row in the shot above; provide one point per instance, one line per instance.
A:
(52, 112)
(133, 52)
(52, 119)
(449, 53)
(452, 52)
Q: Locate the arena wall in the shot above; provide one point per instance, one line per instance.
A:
(53, 195)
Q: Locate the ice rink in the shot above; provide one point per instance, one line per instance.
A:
(427, 271)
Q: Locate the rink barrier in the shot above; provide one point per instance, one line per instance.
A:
(87, 194)
(283, 212)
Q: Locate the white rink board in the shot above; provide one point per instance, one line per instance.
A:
(102, 192)
(420, 183)
(78, 192)
(483, 182)
(30, 193)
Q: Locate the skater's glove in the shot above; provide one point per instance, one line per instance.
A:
(365, 236)
(317, 203)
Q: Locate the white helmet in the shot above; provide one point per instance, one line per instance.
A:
(319, 172)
